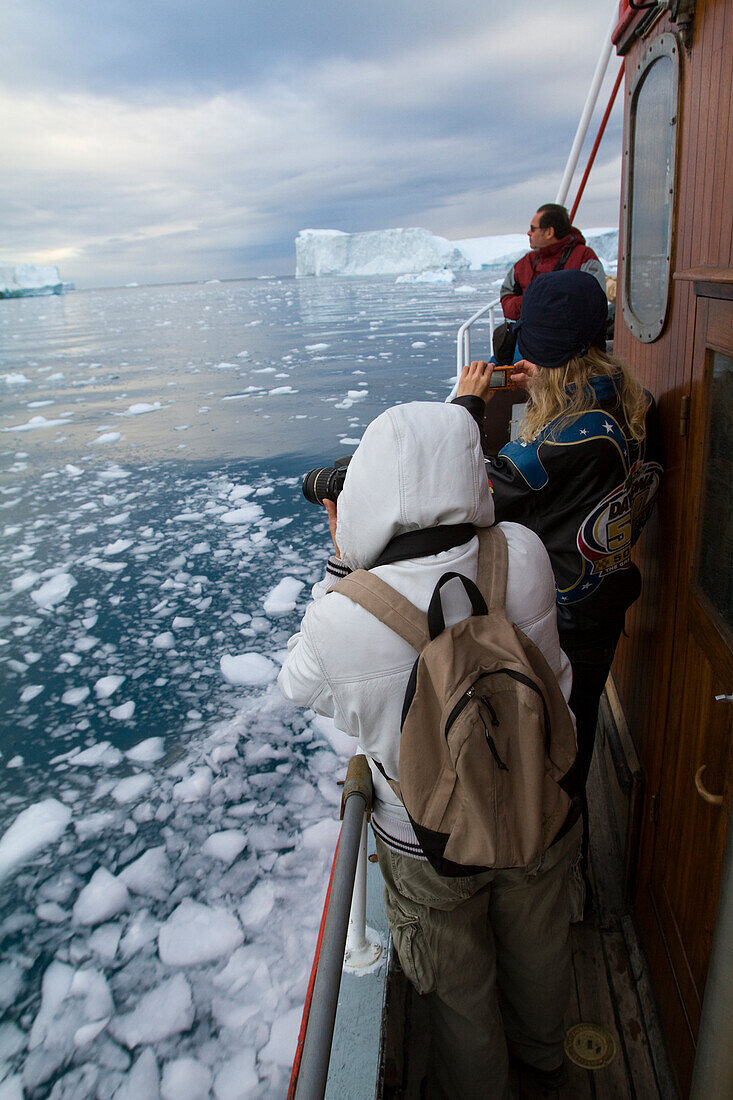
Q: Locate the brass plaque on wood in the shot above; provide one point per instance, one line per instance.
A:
(590, 1046)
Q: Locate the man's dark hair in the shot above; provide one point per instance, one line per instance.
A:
(554, 216)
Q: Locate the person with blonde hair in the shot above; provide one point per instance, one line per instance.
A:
(583, 474)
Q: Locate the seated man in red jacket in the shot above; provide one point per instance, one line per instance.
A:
(555, 244)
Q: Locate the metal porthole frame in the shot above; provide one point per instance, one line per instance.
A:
(667, 45)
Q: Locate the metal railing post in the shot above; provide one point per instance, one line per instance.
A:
(463, 341)
(356, 801)
(595, 87)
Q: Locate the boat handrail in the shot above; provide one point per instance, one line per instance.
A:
(310, 1069)
(463, 341)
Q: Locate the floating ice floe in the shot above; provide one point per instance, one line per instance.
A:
(247, 668)
(54, 591)
(439, 278)
(103, 897)
(283, 597)
(141, 408)
(164, 1011)
(34, 829)
(36, 423)
(195, 934)
(225, 846)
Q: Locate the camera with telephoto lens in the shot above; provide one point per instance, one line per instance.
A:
(325, 482)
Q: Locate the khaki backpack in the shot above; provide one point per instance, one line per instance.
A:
(486, 734)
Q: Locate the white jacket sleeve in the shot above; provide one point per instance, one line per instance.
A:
(302, 678)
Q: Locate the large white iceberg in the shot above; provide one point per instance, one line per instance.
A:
(420, 255)
(382, 252)
(28, 280)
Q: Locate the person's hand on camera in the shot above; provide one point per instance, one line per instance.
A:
(330, 506)
(475, 380)
(523, 373)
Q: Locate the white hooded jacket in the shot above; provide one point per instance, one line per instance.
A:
(418, 466)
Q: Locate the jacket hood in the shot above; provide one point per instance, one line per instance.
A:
(418, 465)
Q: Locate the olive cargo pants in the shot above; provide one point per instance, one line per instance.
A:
(491, 952)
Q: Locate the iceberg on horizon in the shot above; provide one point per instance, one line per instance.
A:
(380, 252)
(29, 280)
(417, 255)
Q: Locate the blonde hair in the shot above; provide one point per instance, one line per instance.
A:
(559, 396)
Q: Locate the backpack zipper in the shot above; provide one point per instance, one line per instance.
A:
(469, 694)
(490, 741)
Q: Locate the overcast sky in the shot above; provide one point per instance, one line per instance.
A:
(169, 140)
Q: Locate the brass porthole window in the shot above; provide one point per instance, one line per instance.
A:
(650, 160)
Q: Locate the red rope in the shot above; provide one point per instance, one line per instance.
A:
(311, 983)
(597, 142)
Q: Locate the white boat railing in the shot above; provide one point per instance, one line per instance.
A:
(463, 342)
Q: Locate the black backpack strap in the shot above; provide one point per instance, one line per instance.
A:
(493, 563)
(560, 265)
(425, 542)
(386, 604)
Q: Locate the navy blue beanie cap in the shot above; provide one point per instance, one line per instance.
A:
(563, 314)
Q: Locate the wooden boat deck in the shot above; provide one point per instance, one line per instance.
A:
(611, 991)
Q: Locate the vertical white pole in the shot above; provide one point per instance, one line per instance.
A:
(590, 103)
(356, 939)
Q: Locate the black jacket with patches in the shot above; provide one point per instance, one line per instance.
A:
(586, 488)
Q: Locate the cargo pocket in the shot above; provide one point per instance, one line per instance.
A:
(410, 944)
(576, 890)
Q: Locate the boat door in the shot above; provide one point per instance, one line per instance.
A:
(693, 799)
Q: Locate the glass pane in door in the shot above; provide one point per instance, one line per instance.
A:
(714, 574)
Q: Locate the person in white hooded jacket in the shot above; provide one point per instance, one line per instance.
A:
(466, 943)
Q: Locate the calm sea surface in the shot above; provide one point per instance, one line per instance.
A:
(156, 554)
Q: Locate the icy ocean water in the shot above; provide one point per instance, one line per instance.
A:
(167, 820)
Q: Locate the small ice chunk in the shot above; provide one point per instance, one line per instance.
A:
(283, 596)
(321, 836)
(102, 755)
(247, 668)
(105, 940)
(103, 897)
(33, 830)
(150, 875)
(74, 696)
(196, 934)
(225, 845)
(143, 1080)
(30, 692)
(107, 685)
(186, 1079)
(164, 640)
(247, 514)
(283, 1038)
(11, 1088)
(147, 751)
(195, 787)
(142, 407)
(107, 437)
(163, 1011)
(127, 790)
(23, 582)
(123, 711)
(257, 906)
(237, 1079)
(118, 547)
(54, 591)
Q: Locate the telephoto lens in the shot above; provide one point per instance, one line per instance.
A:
(325, 482)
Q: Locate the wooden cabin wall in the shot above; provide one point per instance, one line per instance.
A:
(703, 237)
